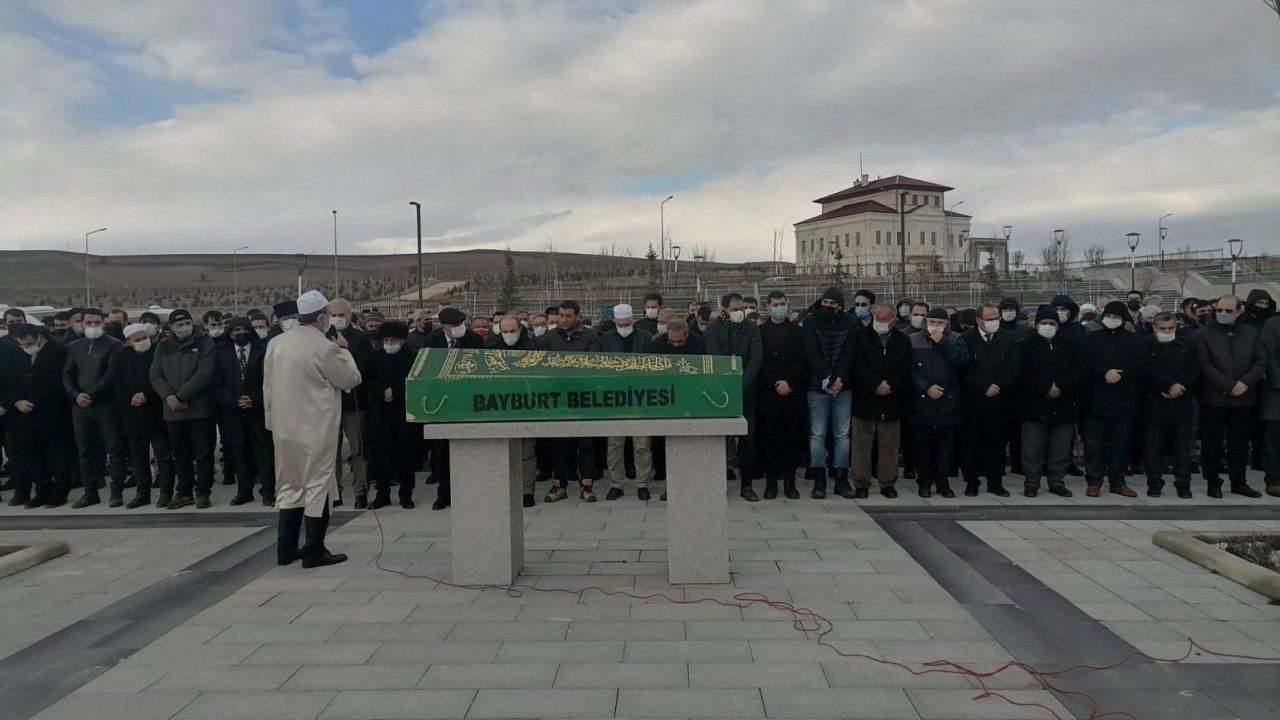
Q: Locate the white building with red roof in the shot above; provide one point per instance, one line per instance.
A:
(859, 228)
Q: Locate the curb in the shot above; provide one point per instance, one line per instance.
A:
(30, 556)
(1196, 547)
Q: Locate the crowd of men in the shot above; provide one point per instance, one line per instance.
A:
(846, 393)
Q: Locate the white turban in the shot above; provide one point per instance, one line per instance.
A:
(132, 328)
(311, 301)
(622, 310)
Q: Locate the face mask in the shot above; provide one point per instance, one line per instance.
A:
(625, 331)
(651, 313)
(881, 328)
(861, 311)
(93, 333)
(991, 326)
(77, 328)
(1048, 332)
(904, 311)
(778, 312)
(142, 345)
(242, 339)
(1225, 318)
(151, 329)
(391, 348)
(339, 323)
(288, 324)
(917, 321)
(539, 330)
(458, 331)
(4, 332)
(1009, 315)
(736, 316)
(826, 313)
(524, 324)
(262, 333)
(33, 349)
(662, 328)
(702, 327)
(1166, 337)
(216, 332)
(184, 332)
(1063, 315)
(1088, 317)
(1134, 305)
(510, 338)
(1111, 322)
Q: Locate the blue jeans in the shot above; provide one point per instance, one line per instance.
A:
(833, 413)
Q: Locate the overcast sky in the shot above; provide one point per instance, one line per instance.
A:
(185, 125)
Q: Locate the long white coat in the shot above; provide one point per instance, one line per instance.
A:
(303, 378)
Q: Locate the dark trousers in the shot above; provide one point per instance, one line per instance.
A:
(574, 459)
(1168, 440)
(1046, 451)
(1013, 437)
(252, 455)
(1271, 436)
(440, 468)
(781, 424)
(140, 449)
(909, 448)
(392, 455)
(933, 454)
(748, 467)
(192, 443)
(98, 443)
(1106, 449)
(982, 451)
(37, 462)
(1230, 424)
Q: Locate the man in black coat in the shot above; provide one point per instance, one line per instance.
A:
(1050, 397)
(182, 374)
(510, 334)
(828, 350)
(1117, 364)
(237, 386)
(393, 440)
(575, 457)
(38, 420)
(142, 417)
(1170, 429)
(627, 337)
(881, 384)
(355, 416)
(452, 333)
(94, 416)
(989, 393)
(732, 334)
(780, 403)
(652, 306)
(678, 340)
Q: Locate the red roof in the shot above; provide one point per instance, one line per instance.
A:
(866, 206)
(874, 186)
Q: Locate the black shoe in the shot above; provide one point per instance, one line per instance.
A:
(1152, 492)
(35, 502)
(819, 484)
(1245, 490)
(842, 487)
(770, 488)
(1184, 493)
(663, 496)
(362, 502)
(998, 491)
(1215, 493)
(139, 500)
(971, 489)
(1060, 491)
(85, 501)
(314, 553)
(268, 500)
(440, 504)
(115, 499)
(909, 475)
(860, 493)
(946, 492)
(748, 494)
(889, 492)
(789, 489)
(288, 529)
(925, 492)
(239, 500)
(17, 500)
(528, 500)
(406, 503)
(380, 501)
(431, 479)
(202, 502)
(1074, 470)
(642, 494)
(228, 479)
(180, 502)
(613, 494)
(1030, 492)
(163, 501)
(56, 502)
(337, 503)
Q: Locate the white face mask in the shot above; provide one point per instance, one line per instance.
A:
(262, 333)
(736, 316)
(510, 338)
(1166, 337)
(457, 331)
(1009, 315)
(184, 332)
(142, 345)
(1048, 332)
(77, 328)
(1111, 322)
(880, 327)
(34, 348)
(625, 331)
(991, 326)
(288, 324)
(1064, 315)
(328, 323)
(93, 333)
(651, 313)
(662, 328)
(151, 329)
(4, 332)
(539, 330)
(391, 348)
(917, 321)
(339, 323)
(216, 332)
(1225, 318)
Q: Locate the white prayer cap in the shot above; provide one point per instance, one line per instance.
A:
(134, 328)
(1088, 307)
(311, 301)
(622, 310)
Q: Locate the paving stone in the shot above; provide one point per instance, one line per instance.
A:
(557, 703)
(959, 704)
(320, 597)
(687, 651)
(882, 703)
(346, 614)
(630, 630)
(756, 675)
(506, 632)
(123, 680)
(393, 632)
(392, 704)
(256, 704)
(356, 677)
(742, 630)
(463, 613)
(689, 703)
(579, 651)
(273, 633)
(792, 651)
(502, 675)
(225, 678)
(877, 630)
(328, 653)
(430, 653)
(117, 706)
(622, 675)
(869, 674)
(190, 655)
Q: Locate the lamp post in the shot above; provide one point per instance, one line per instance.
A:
(662, 236)
(417, 208)
(1004, 264)
(1058, 236)
(697, 272)
(235, 278)
(1236, 246)
(1163, 232)
(1133, 247)
(335, 254)
(947, 220)
(675, 254)
(302, 269)
(86, 263)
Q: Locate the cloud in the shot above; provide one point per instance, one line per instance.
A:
(516, 122)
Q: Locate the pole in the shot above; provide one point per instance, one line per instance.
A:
(1233, 275)
(335, 254)
(1133, 282)
(418, 212)
(235, 277)
(902, 242)
(86, 263)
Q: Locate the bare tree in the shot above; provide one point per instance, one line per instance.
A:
(1018, 257)
(1095, 255)
(1147, 280)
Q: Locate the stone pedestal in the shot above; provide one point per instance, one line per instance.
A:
(487, 516)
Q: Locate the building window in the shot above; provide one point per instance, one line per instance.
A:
(915, 199)
(846, 239)
(937, 201)
(877, 240)
(899, 236)
(933, 239)
(857, 239)
(922, 237)
(877, 269)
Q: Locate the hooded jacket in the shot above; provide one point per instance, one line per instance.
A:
(1257, 317)
(1071, 329)
(828, 347)
(1230, 353)
(938, 364)
(1018, 325)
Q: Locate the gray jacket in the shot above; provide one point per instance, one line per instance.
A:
(743, 340)
(185, 368)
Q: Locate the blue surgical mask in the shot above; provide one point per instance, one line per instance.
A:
(861, 311)
(391, 348)
(778, 312)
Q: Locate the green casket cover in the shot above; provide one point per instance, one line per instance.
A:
(511, 385)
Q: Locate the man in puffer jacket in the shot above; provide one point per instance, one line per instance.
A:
(937, 358)
(181, 374)
(829, 348)
(1232, 360)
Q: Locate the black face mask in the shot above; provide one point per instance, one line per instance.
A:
(825, 312)
(1135, 305)
(242, 339)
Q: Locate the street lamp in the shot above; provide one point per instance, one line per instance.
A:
(1236, 246)
(1164, 232)
(697, 272)
(86, 263)
(303, 269)
(662, 235)
(335, 254)
(1059, 236)
(417, 207)
(235, 278)
(1133, 247)
(675, 253)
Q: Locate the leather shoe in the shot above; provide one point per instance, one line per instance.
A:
(946, 492)
(380, 501)
(613, 494)
(1273, 489)
(642, 494)
(1215, 493)
(439, 504)
(971, 490)
(202, 502)
(1184, 493)
(998, 491)
(1152, 492)
(85, 501)
(1246, 491)
(528, 500)
(1030, 492)
(749, 495)
(362, 502)
(1124, 491)
(926, 493)
(139, 500)
(889, 492)
(1093, 491)
(1060, 491)
(407, 503)
(240, 500)
(860, 493)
